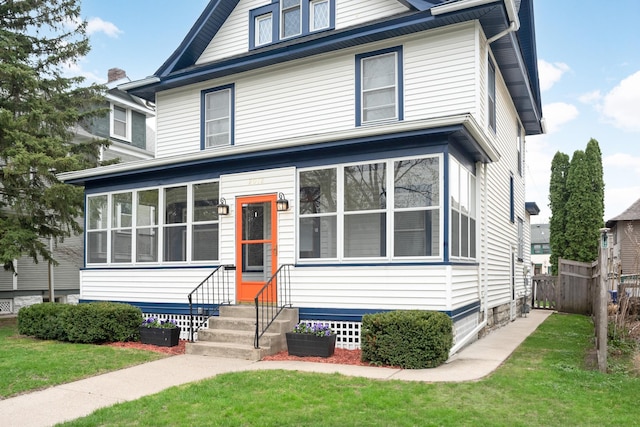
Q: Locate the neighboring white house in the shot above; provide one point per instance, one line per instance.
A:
(130, 130)
(540, 249)
(395, 129)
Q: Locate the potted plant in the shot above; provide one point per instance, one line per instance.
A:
(165, 333)
(311, 339)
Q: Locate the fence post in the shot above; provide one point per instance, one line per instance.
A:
(601, 309)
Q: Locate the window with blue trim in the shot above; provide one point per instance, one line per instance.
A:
(512, 211)
(285, 19)
(379, 87)
(217, 117)
(491, 96)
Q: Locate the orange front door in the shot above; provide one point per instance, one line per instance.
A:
(256, 250)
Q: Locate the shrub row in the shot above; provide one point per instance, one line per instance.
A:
(83, 323)
(412, 339)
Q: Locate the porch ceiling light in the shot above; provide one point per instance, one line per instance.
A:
(223, 208)
(282, 204)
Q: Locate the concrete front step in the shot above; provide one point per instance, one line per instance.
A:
(249, 325)
(239, 337)
(232, 350)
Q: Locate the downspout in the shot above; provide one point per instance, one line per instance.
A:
(484, 276)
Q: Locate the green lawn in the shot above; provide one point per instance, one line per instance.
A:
(545, 383)
(28, 364)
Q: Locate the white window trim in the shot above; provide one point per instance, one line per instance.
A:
(228, 117)
(282, 10)
(112, 119)
(395, 86)
(472, 214)
(389, 211)
(160, 226)
(312, 3)
(256, 36)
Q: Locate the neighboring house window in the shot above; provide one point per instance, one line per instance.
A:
(319, 15)
(540, 248)
(491, 95)
(286, 19)
(520, 239)
(462, 192)
(291, 20)
(182, 220)
(217, 117)
(519, 147)
(379, 86)
(121, 123)
(512, 211)
(263, 29)
(384, 210)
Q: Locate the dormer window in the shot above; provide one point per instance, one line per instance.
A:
(291, 21)
(285, 19)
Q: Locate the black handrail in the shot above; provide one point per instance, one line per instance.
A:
(210, 294)
(274, 296)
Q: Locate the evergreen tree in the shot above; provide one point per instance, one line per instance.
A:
(39, 110)
(582, 207)
(558, 197)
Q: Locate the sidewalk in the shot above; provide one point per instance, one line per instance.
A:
(77, 399)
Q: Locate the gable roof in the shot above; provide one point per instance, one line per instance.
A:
(514, 53)
(630, 214)
(540, 233)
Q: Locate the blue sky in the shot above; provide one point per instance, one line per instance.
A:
(589, 61)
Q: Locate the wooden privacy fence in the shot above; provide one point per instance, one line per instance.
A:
(572, 291)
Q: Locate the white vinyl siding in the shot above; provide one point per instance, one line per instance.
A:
(350, 13)
(272, 105)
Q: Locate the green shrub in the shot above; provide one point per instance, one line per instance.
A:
(98, 322)
(412, 339)
(44, 321)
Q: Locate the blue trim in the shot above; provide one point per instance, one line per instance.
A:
(511, 200)
(445, 208)
(274, 10)
(399, 82)
(152, 307)
(232, 113)
(355, 314)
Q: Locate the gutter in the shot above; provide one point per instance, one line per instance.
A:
(457, 6)
(138, 83)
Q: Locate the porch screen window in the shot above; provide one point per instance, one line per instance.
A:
(291, 18)
(417, 203)
(318, 213)
(175, 224)
(97, 214)
(204, 245)
(462, 189)
(218, 117)
(147, 226)
(121, 227)
(365, 203)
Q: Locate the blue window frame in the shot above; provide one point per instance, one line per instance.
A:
(491, 96)
(286, 19)
(217, 117)
(379, 86)
(511, 200)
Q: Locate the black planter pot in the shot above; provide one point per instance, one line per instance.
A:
(160, 336)
(310, 345)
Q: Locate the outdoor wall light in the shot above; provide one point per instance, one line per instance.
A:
(282, 204)
(223, 208)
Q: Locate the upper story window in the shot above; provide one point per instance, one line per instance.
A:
(491, 96)
(519, 147)
(217, 117)
(379, 86)
(120, 126)
(284, 19)
(520, 239)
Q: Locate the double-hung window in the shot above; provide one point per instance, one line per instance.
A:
(120, 122)
(379, 86)
(291, 18)
(217, 117)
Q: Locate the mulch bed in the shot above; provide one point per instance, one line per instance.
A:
(170, 351)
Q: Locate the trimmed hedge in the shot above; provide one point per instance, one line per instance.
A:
(412, 339)
(94, 322)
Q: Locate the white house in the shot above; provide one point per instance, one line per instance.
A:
(394, 130)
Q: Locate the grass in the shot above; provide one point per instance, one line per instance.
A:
(545, 382)
(28, 364)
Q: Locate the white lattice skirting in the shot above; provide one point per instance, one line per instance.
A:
(347, 333)
(183, 321)
(6, 306)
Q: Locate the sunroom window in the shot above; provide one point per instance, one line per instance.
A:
(462, 189)
(318, 213)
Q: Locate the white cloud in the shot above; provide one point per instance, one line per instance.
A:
(558, 113)
(621, 105)
(97, 25)
(538, 159)
(617, 200)
(549, 74)
(593, 97)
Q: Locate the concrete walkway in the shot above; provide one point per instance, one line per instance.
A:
(77, 399)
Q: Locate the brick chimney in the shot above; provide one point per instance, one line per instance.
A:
(115, 74)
